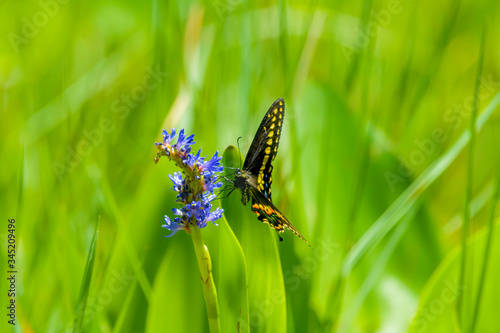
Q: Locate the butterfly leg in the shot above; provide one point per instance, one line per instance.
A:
(224, 189)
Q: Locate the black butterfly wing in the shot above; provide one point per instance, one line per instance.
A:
(267, 212)
(264, 147)
(255, 181)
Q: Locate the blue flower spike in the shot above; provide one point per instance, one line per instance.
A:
(194, 184)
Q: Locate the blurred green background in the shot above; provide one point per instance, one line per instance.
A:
(372, 166)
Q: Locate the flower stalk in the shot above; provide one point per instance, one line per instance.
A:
(207, 280)
(195, 186)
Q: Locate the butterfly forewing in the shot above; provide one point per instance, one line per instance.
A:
(258, 162)
(254, 180)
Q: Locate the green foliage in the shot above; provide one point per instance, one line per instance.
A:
(372, 165)
(436, 311)
(84, 293)
(266, 291)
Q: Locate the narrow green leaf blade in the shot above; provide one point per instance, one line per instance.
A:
(84, 291)
(266, 290)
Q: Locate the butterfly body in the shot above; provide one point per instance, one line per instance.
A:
(255, 178)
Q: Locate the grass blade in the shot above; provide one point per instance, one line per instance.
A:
(377, 271)
(96, 175)
(488, 247)
(405, 201)
(461, 305)
(84, 290)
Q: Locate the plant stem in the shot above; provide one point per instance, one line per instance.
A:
(207, 280)
(462, 305)
(487, 252)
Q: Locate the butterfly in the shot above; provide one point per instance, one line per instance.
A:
(254, 179)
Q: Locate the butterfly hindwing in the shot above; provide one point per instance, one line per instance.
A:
(267, 212)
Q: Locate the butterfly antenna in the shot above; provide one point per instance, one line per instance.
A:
(225, 168)
(228, 180)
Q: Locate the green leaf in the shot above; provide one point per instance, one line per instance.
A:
(408, 198)
(266, 290)
(230, 277)
(436, 312)
(84, 291)
(462, 308)
(177, 303)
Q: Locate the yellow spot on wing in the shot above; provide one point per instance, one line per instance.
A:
(266, 158)
(268, 150)
(272, 126)
(271, 134)
(281, 103)
(274, 119)
(269, 142)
